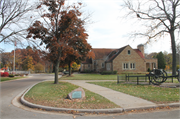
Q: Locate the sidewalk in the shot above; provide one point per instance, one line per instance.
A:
(124, 100)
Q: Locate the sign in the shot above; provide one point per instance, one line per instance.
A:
(76, 95)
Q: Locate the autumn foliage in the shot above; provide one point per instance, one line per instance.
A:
(64, 35)
(25, 59)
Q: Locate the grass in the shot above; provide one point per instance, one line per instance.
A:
(54, 95)
(9, 78)
(89, 77)
(152, 93)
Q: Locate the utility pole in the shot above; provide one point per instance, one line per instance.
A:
(14, 70)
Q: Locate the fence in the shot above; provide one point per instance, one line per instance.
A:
(20, 72)
(136, 78)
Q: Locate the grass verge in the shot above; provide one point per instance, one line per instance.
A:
(54, 95)
(9, 78)
(152, 93)
(89, 77)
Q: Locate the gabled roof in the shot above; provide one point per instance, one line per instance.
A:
(87, 61)
(108, 54)
(114, 54)
(101, 53)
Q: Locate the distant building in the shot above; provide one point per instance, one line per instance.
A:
(121, 60)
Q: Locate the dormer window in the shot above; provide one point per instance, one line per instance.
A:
(129, 52)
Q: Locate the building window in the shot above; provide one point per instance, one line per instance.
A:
(102, 65)
(88, 65)
(126, 66)
(132, 66)
(129, 52)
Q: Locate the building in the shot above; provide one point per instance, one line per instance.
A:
(122, 60)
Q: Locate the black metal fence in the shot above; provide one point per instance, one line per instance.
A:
(129, 78)
(139, 78)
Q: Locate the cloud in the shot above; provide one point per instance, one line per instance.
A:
(109, 30)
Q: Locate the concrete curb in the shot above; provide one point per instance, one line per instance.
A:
(94, 111)
(17, 79)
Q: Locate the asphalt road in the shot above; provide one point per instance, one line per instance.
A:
(11, 89)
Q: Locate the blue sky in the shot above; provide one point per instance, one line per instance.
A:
(109, 30)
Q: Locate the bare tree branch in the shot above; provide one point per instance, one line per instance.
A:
(165, 17)
(14, 18)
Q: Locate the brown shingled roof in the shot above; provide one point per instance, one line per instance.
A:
(109, 54)
(101, 53)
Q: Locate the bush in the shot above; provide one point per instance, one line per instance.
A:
(108, 72)
(2, 73)
(86, 71)
(149, 70)
(5, 74)
(17, 74)
(11, 75)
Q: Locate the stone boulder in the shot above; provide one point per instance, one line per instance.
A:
(78, 93)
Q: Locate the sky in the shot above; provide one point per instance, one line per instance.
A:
(109, 30)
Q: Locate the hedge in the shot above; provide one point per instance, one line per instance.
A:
(108, 72)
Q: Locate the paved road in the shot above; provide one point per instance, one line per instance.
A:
(11, 89)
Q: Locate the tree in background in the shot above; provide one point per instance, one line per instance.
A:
(38, 67)
(58, 29)
(161, 61)
(28, 63)
(168, 60)
(160, 17)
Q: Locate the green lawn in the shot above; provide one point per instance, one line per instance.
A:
(89, 77)
(148, 92)
(49, 94)
(9, 78)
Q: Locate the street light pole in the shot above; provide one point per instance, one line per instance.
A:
(14, 56)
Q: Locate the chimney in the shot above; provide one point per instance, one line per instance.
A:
(141, 48)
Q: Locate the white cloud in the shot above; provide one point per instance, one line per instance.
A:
(110, 31)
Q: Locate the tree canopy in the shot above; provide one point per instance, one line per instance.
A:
(62, 32)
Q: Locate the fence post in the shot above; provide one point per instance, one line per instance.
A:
(137, 80)
(149, 80)
(117, 79)
(172, 79)
(128, 77)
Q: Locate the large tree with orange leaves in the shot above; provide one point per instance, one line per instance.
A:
(60, 32)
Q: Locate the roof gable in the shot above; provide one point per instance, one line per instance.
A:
(101, 53)
(114, 54)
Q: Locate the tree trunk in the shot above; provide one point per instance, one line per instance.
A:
(56, 66)
(173, 46)
(69, 68)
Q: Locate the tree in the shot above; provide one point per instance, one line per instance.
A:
(161, 60)
(161, 17)
(168, 60)
(34, 53)
(39, 67)
(28, 63)
(13, 17)
(61, 26)
(79, 51)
